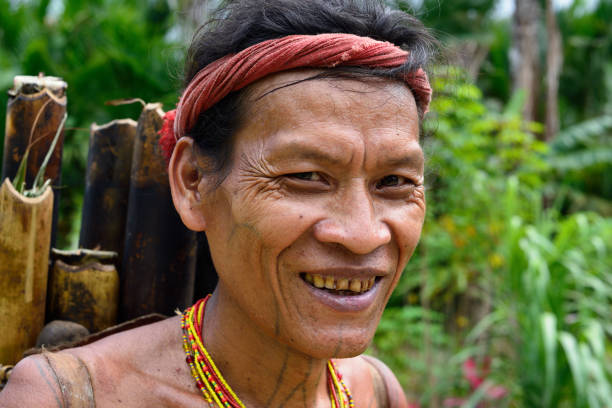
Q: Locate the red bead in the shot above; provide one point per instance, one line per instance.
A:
(189, 359)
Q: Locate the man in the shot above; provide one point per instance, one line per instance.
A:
(295, 148)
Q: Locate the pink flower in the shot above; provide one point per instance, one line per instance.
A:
(476, 376)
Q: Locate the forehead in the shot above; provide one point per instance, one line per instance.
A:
(291, 105)
(300, 90)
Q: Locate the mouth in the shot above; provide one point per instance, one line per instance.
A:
(341, 293)
(340, 286)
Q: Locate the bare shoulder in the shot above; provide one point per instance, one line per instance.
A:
(138, 367)
(130, 368)
(32, 384)
(373, 384)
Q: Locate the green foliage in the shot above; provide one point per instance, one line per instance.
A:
(457, 17)
(556, 290)
(582, 158)
(516, 280)
(586, 80)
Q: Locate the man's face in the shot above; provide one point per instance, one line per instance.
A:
(321, 209)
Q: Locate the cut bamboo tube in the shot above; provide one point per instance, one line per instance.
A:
(84, 288)
(25, 236)
(35, 109)
(107, 186)
(158, 267)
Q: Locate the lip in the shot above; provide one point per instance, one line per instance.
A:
(345, 303)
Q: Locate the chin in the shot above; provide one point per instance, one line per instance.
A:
(335, 342)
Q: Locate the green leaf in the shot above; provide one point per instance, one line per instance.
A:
(548, 323)
(20, 177)
(40, 185)
(572, 353)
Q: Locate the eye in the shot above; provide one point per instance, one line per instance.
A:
(393, 180)
(307, 176)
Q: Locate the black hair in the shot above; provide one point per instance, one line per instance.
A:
(240, 24)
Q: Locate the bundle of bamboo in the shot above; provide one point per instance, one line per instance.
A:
(132, 266)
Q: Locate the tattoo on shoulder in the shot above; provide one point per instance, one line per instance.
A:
(50, 377)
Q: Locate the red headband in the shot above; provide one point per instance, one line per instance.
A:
(234, 72)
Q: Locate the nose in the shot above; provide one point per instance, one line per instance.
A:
(353, 223)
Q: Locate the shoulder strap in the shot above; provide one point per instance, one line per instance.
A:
(73, 380)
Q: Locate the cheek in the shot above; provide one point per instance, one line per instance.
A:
(261, 228)
(407, 227)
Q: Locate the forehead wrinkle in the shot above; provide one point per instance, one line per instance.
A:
(292, 148)
(264, 94)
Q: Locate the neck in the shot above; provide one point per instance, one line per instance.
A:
(260, 370)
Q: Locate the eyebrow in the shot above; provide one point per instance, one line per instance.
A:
(299, 150)
(296, 150)
(413, 158)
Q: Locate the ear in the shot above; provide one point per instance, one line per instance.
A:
(186, 181)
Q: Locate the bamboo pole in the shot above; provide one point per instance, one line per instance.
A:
(25, 237)
(35, 109)
(107, 185)
(158, 267)
(84, 288)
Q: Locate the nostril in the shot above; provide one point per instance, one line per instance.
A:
(358, 236)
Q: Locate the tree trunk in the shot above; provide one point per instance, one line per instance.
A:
(524, 54)
(554, 63)
(471, 54)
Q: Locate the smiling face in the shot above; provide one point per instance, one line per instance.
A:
(321, 209)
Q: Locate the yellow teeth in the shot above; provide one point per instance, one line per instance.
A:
(355, 285)
(342, 284)
(329, 282)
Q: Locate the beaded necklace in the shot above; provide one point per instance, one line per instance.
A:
(212, 384)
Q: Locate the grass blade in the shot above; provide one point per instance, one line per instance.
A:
(39, 180)
(548, 324)
(20, 177)
(570, 346)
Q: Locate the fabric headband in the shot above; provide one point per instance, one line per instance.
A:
(236, 71)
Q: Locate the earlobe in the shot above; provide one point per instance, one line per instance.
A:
(185, 183)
